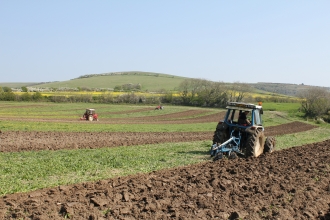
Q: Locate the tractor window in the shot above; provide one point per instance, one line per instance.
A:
(236, 116)
(230, 115)
(233, 116)
(257, 118)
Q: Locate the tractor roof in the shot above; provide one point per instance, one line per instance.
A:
(242, 106)
(91, 109)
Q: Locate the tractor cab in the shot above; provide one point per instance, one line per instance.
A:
(243, 115)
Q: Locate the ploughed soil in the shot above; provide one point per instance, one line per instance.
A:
(287, 184)
(14, 141)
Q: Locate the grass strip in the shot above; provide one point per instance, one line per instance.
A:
(27, 171)
(297, 139)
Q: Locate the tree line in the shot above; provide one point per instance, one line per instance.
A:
(191, 92)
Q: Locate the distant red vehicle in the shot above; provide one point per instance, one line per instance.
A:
(90, 115)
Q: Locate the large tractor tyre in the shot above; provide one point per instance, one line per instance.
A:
(90, 118)
(269, 145)
(219, 136)
(255, 144)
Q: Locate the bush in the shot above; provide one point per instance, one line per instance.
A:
(26, 96)
(316, 102)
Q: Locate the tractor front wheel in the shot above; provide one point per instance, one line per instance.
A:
(269, 145)
(255, 144)
(90, 118)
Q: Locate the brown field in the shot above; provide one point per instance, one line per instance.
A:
(287, 184)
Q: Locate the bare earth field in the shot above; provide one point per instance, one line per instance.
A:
(287, 184)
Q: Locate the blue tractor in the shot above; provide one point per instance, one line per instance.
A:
(241, 133)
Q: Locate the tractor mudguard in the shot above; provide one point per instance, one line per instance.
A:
(252, 130)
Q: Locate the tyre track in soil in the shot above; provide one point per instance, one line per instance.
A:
(16, 141)
(287, 184)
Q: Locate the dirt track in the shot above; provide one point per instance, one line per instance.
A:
(14, 141)
(287, 184)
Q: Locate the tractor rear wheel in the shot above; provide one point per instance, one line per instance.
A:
(269, 145)
(255, 144)
(219, 136)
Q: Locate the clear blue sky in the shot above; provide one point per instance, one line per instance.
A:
(247, 41)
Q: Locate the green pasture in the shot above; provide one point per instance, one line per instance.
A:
(27, 171)
(284, 107)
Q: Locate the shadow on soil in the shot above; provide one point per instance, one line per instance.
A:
(326, 216)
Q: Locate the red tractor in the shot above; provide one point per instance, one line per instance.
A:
(90, 115)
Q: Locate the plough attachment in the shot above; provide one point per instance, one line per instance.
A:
(231, 147)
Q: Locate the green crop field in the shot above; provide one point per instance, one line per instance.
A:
(30, 170)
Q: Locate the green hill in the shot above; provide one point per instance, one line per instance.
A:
(148, 81)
